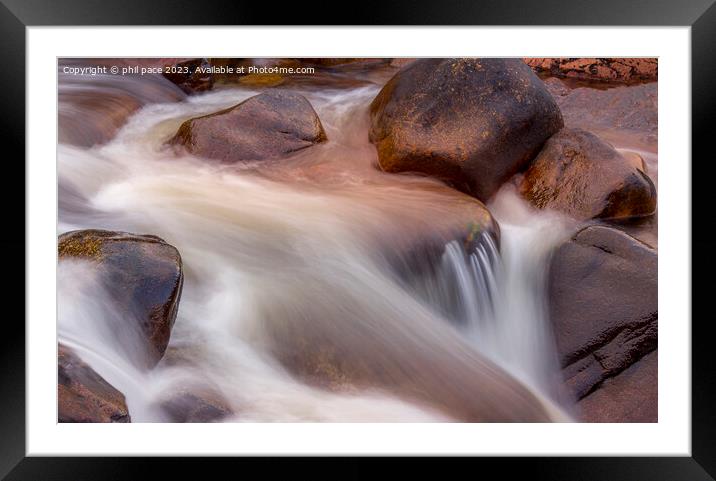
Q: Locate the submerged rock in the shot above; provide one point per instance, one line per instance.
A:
(269, 125)
(83, 395)
(336, 340)
(195, 407)
(583, 176)
(603, 302)
(462, 384)
(470, 122)
(144, 276)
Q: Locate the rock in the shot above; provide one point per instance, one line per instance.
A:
(557, 88)
(187, 77)
(258, 73)
(603, 305)
(269, 125)
(414, 257)
(83, 395)
(581, 175)
(193, 407)
(233, 71)
(630, 397)
(624, 110)
(622, 70)
(340, 62)
(347, 345)
(401, 62)
(461, 384)
(470, 122)
(144, 276)
(92, 108)
(635, 160)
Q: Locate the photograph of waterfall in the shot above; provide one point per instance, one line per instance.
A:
(293, 240)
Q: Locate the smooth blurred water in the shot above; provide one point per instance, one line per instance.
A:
(283, 261)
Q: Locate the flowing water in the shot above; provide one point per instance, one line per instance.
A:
(297, 252)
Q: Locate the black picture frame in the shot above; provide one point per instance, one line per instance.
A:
(700, 15)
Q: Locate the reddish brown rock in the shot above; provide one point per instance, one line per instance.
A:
(271, 125)
(83, 395)
(603, 303)
(624, 108)
(196, 407)
(635, 160)
(469, 223)
(144, 276)
(91, 108)
(339, 62)
(630, 397)
(583, 176)
(190, 75)
(429, 375)
(272, 72)
(470, 122)
(401, 62)
(624, 70)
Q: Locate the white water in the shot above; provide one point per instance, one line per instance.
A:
(285, 249)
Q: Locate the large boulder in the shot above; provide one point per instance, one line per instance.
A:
(269, 125)
(631, 396)
(83, 395)
(603, 305)
(144, 276)
(471, 122)
(583, 176)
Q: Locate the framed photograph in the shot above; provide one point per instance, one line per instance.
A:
(442, 230)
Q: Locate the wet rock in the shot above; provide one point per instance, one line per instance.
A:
(415, 257)
(269, 125)
(84, 396)
(190, 75)
(603, 304)
(347, 345)
(557, 88)
(144, 276)
(272, 72)
(196, 407)
(622, 70)
(92, 108)
(629, 397)
(635, 160)
(581, 175)
(401, 62)
(228, 71)
(624, 110)
(342, 62)
(470, 122)
(426, 373)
